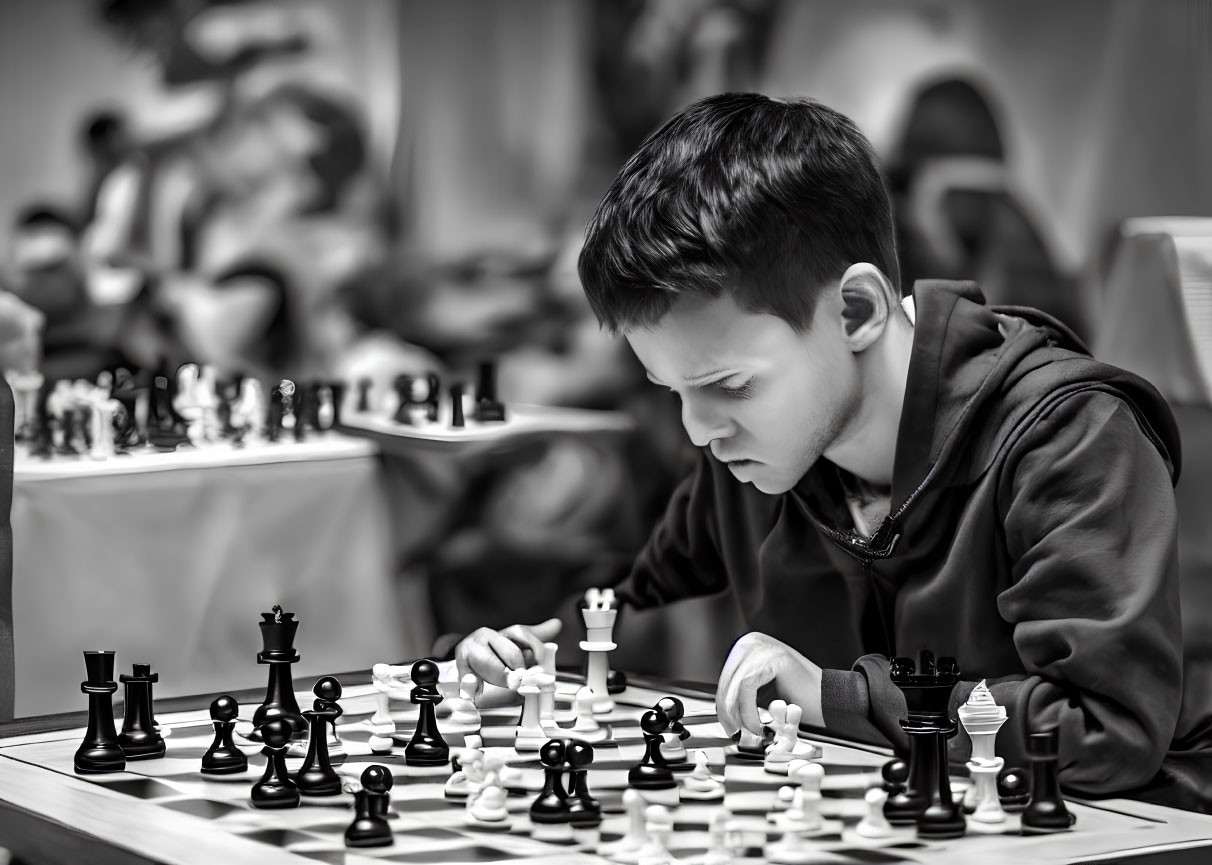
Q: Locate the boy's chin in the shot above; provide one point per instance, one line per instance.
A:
(770, 484)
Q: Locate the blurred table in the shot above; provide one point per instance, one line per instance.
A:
(170, 559)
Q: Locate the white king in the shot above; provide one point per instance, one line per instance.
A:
(599, 615)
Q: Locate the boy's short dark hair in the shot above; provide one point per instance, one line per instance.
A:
(770, 199)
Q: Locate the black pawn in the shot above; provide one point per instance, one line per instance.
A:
(896, 774)
(1013, 788)
(674, 710)
(552, 806)
(369, 827)
(653, 772)
(140, 740)
(456, 406)
(328, 691)
(316, 776)
(336, 390)
(275, 789)
(99, 752)
(427, 747)
(585, 809)
(1046, 812)
(223, 757)
(616, 682)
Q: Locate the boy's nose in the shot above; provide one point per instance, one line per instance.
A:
(704, 425)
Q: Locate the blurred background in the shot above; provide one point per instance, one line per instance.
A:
(349, 189)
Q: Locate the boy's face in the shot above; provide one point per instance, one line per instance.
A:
(767, 400)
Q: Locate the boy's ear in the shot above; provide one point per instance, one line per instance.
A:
(866, 304)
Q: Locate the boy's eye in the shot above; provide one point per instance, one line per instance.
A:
(740, 391)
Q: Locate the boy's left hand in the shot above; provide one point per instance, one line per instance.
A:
(757, 660)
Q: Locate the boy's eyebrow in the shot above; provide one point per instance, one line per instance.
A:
(694, 379)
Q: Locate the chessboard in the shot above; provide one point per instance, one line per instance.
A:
(165, 810)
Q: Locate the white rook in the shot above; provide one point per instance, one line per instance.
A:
(599, 616)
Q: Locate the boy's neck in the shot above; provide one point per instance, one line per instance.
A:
(867, 447)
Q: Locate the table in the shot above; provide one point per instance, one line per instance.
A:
(165, 811)
(169, 559)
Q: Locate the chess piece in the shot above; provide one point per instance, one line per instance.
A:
(658, 824)
(464, 716)
(370, 827)
(100, 751)
(701, 784)
(721, 850)
(547, 662)
(223, 757)
(362, 406)
(1046, 812)
(488, 409)
(753, 747)
(275, 789)
(895, 774)
(874, 824)
(336, 390)
(433, 395)
(427, 747)
(627, 848)
(599, 615)
(982, 718)
(616, 682)
(787, 746)
(550, 812)
(529, 734)
(488, 809)
(316, 776)
(456, 406)
(469, 775)
(327, 691)
(652, 774)
(782, 801)
(403, 388)
(278, 637)
(1013, 789)
(587, 728)
(139, 739)
(926, 799)
(586, 811)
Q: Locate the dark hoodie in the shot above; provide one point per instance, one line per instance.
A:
(1032, 536)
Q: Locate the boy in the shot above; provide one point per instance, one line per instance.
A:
(880, 476)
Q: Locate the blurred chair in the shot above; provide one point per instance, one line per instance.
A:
(961, 212)
(1157, 322)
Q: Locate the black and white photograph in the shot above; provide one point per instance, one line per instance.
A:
(657, 432)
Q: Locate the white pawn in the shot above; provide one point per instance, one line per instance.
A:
(787, 746)
(587, 728)
(874, 824)
(720, 852)
(380, 744)
(782, 802)
(488, 808)
(701, 784)
(658, 823)
(627, 848)
(529, 734)
(464, 716)
(466, 781)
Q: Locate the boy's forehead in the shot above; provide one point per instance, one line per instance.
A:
(701, 336)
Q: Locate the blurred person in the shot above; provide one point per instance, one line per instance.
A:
(882, 474)
(80, 337)
(960, 211)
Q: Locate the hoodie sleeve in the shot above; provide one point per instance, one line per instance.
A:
(1090, 524)
(681, 558)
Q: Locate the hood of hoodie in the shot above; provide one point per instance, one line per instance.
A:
(977, 376)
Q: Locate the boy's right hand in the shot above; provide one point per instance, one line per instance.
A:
(490, 654)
